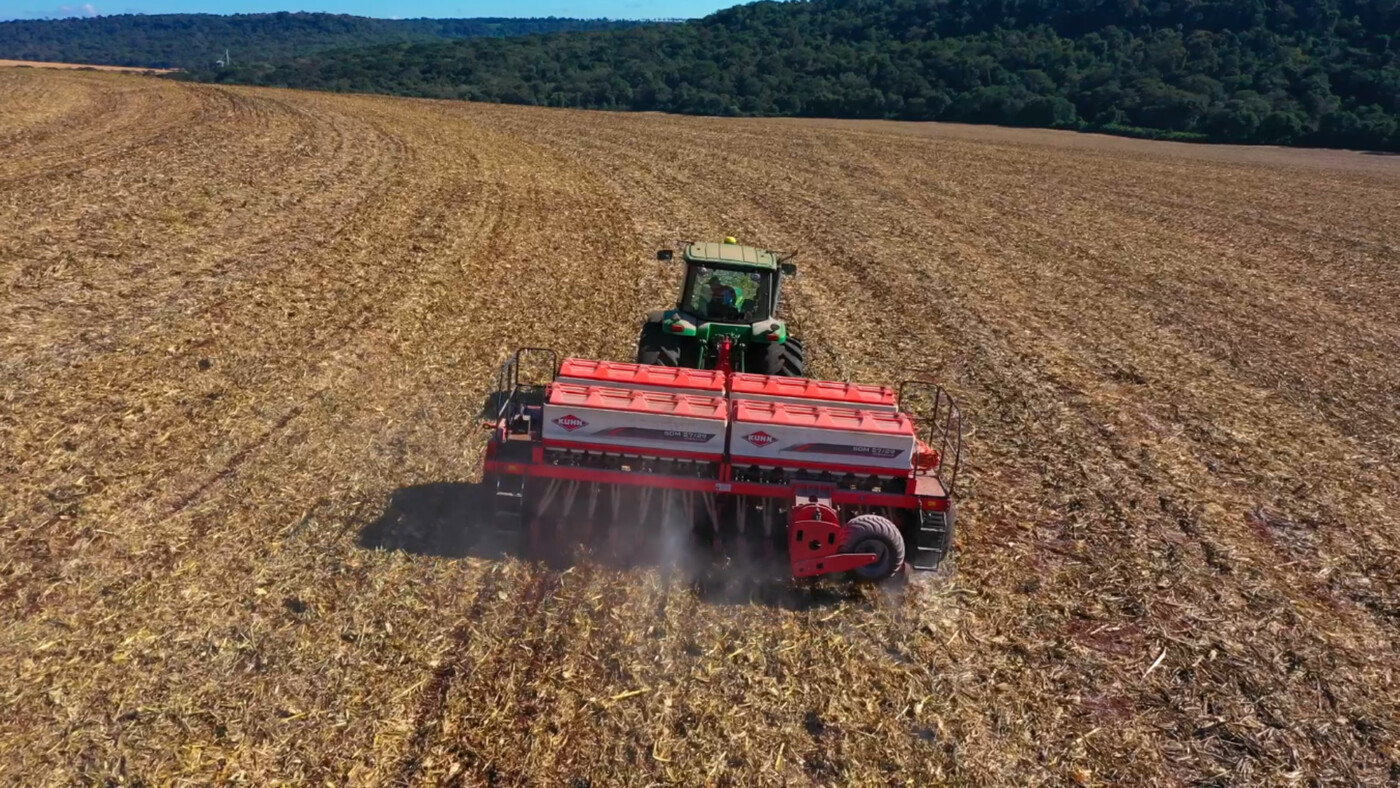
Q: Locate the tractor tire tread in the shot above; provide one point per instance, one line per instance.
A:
(657, 348)
(783, 360)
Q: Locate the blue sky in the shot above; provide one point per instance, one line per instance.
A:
(616, 9)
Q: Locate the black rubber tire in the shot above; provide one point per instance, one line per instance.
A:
(794, 365)
(794, 346)
(871, 533)
(786, 360)
(658, 348)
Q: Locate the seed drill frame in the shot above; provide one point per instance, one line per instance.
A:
(780, 463)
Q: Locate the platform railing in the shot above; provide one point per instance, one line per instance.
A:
(935, 414)
(519, 374)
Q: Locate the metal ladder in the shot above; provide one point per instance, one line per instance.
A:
(509, 504)
(931, 547)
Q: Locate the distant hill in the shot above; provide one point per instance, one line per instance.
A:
(188, 40)
(1314, 72)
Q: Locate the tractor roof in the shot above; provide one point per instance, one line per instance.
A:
(731, 254)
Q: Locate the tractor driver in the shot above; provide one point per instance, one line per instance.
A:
(724, 300)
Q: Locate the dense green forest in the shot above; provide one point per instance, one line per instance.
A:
(189, 40)
(1306, 72)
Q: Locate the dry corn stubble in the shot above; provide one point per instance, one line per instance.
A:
(246, 334)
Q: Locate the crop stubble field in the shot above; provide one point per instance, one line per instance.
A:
(246, 333)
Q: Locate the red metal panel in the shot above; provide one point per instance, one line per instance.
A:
(842, 562)
(651, 402)
(818, 391)
(795, 465)
(929, 487)
(821, 417)
(863, 498)
(815, 537)
(814, 531)
(839, 497)
(617, 374)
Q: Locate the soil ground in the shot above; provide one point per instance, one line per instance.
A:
(244, 336)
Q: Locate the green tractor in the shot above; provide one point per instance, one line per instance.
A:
(727, 315)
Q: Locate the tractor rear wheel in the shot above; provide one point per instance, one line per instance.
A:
(797, 356)
(871, 533)
(786, 359)
(658, 348)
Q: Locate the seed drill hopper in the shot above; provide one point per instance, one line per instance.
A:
(839, 477)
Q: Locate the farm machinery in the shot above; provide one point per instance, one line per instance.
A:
(839, 477)
(731, 294)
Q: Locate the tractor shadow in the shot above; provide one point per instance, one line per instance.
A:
(442, 519)
(453, 520)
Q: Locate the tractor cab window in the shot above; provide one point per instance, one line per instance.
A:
(728, 295)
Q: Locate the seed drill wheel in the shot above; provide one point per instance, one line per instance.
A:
(871, 533)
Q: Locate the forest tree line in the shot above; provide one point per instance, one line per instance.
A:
(198, 40)
(1318, 73)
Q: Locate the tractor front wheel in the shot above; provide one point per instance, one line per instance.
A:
(871, 533)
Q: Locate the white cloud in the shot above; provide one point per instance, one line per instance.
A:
(86, 9)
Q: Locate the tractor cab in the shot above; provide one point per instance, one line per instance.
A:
(729, 297)
(718, 293)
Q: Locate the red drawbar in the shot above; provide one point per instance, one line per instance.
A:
(821, 417)
(571, 395)
(842, 562)
(617, 373)
(821, 392)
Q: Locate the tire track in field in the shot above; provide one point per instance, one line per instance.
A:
(127, 119)
(1090, 417)
(527, 697)
(517, 255)
(1253, 296)
(526, 611)
(279, 424)
(1080, 396)
(433, 699)
(1083, 404)
(500, 237)
(573, 677)
(474, 245)
(339, 137)
(35, 105)
(236, 265)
